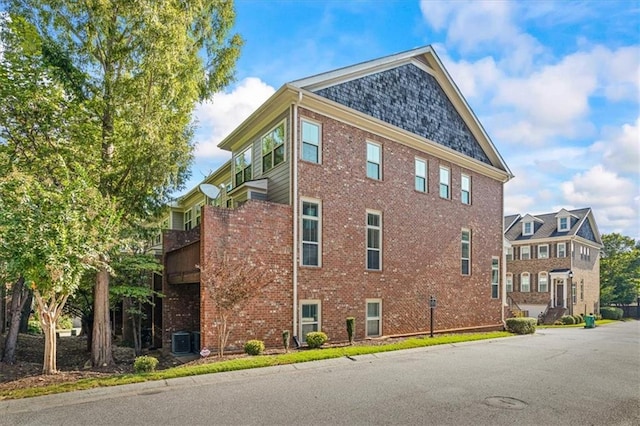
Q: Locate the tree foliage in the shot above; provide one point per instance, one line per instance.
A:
(619, 270)
(139, 67)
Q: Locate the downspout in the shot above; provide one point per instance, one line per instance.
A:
(295, 214)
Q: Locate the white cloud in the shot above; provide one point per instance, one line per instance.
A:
(613, 198)
(218, 117)
(620, 150)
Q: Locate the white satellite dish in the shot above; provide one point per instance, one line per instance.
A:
(209, 190)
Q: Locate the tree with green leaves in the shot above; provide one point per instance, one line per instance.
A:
(619, 270)
(142, 67)
(132, 274)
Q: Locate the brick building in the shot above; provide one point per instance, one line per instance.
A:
(553, 264)
(368, 189)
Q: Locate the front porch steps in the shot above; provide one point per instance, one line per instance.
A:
(553, 315)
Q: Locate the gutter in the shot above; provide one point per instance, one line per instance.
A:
(294, 140)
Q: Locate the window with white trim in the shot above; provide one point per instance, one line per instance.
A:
(311, 233)
(273, 148)
(563, 224)
(445, 182)
(509, 283)
(509, 253)
(311, 141)
(187, 220)
(525, 253)
(309, 318)
(543, 251)
(374, 240)
(374, 161)
(421, 175)
(527, 228)
(495, 278)
(543, 282)
(374, 318)
(242, 166)
(525, 284)
(199, 212)
(561, 250)
(465, 189)
(465, 252)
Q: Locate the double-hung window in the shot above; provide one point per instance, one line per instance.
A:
(465, 253)
(199, 213)
(563, 224)
(374, 161)
(509, 253)
(445, 182)
(309, 317)
(525, 252)
(374, 241)
(188, 223)
(273, 148)
(527, 228)
(495, 278)
(465, 189)
(543, 282)
(374, 318)
(311, 232)
(421, 175)
(509, 284)
(525, 284)
(561, 249)
(543, 251)
(242, 164)
(310, 141)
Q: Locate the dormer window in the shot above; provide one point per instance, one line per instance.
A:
(527, 228)
(563, 224)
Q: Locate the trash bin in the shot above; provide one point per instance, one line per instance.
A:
(589, 321)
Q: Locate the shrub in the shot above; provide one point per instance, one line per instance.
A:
(567, 319)
(522, 325)
(34, 327)
(557, 322)
(145, 364)
(351, 328)
(254, 347)
(315, 339)
(578, 319)
(64, 323)
(285, 340)
(611, 312)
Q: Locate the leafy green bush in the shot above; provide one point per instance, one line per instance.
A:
(64, 323)
(567, 320)
(522, 325)
(254, 347)
(611, 312)
(578, 319)
(285, 340)
(33, 326)
(351, 328)
(315, 339)
(145, 364)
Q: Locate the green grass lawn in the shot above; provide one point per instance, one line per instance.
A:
(251, 362)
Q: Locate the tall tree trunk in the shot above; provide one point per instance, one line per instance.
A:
(26, 311)
(18, 300)
(101, 355)
(3, 307)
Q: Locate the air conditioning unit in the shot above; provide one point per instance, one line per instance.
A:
(195, 342)
(180, 343)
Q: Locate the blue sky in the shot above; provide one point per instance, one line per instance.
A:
(555, 84)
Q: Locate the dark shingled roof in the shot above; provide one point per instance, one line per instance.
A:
(547, 229)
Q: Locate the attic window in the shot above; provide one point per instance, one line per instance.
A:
(563, 224)
(527, 228)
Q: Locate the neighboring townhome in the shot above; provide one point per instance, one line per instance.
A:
(367, 190)
(553, 264)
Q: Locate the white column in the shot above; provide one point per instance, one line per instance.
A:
(564, 293)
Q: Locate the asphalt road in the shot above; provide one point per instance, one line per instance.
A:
(565, 376)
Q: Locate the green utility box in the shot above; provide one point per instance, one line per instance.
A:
(589, 321)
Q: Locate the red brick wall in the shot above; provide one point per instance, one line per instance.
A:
(421, 238)
(181, 302)
(262, 231)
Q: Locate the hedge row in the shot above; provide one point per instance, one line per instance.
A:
(522, 325)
